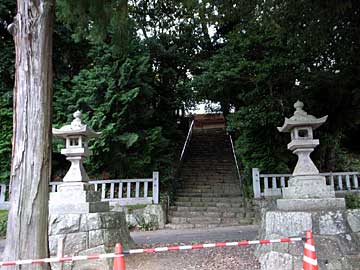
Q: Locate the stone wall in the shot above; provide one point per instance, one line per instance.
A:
(86, 234)
(150, 216)
(336, 236)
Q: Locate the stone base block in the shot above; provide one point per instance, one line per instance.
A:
(75, 186)
(276, 260)
(153, 216)
(308, 186)
(272, 192)
(310, 204)
(90, 264)
(91, 233)
(337, 243)
(75, 196)
(79, 207)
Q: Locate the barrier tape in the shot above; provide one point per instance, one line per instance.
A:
(212, 245)
(149, 250)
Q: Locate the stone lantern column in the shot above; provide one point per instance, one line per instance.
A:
(306, 189)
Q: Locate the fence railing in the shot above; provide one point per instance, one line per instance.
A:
(236, 164)
(118, 191)
(269, 185)
(187, 141)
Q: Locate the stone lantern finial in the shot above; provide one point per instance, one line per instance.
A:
(77, 119)
(298, 105)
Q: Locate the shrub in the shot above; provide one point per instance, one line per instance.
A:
(3, 222)
(352, 200)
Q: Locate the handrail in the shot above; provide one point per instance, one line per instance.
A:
(188, 137)
(236, 163)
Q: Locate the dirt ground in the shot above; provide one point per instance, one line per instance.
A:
(229, 258)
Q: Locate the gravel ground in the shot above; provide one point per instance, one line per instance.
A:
(215, 258)
(211, 258)
(229, 258)
(221, 234)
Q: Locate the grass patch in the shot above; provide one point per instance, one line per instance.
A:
(352, 200)
(3, 223)
(131, 208)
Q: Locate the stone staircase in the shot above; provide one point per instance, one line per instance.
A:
(209, 195)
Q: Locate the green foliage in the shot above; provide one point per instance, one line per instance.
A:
(146, 225)
(131, 66)
(119, 98)
(95, 19)
(6, 86)
(272, 54)
(3, 223)
(352, 201)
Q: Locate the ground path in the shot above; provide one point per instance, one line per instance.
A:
(229, 258)
(212, 258)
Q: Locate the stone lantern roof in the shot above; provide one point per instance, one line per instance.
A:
(301, 118)
(76, 128)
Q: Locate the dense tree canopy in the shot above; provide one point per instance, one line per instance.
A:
(131, 66)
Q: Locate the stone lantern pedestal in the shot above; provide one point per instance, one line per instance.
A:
(308, 203)
(77, 216)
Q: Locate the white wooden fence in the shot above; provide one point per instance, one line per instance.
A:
(118, 191)
(269, 185)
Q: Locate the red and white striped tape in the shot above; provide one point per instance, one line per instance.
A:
(212, 245)
(148, 250)
(62, 259)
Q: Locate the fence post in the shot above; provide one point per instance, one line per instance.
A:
(155, 188)
(256, 183)
(2, 193)
(60, 250)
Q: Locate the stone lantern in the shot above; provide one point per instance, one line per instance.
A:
(75, 194)
(306, 189)
(76, 149)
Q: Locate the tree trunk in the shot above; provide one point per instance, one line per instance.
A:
(31, 154)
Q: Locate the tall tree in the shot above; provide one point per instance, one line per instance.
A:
(31, 148)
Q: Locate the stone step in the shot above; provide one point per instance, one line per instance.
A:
(174, 226)
(217, 214)
(209, 178)
(209, 204)
(214, 184)
(209, 199)
(208, 184)
(202, 161)
(209, 195)
(214, 159)
(223, 168)
(207, 209)
(197, 221)
(190, 186)
(219, 196)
